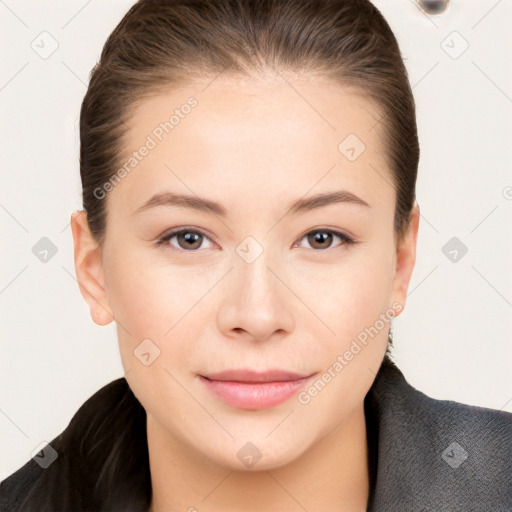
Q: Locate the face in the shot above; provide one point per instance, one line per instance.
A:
(249, 271)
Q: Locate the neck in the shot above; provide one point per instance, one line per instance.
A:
(333, 474)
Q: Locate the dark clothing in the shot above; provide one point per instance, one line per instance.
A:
(425, 455)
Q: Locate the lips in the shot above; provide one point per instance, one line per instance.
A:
(253, 376)
(253, 390)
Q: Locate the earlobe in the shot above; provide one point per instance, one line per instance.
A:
(89, 269)
(406, 259)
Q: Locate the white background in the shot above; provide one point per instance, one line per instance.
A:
(452, 341)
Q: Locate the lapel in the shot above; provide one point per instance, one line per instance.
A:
(436, 455)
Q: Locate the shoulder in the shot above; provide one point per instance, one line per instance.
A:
(84, 453)
(404, 400)
(439, 453)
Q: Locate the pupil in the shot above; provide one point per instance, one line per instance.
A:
(321, 237)
(190, 238)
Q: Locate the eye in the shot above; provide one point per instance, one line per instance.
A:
(190, 240)
(186, 239)
(322, 238)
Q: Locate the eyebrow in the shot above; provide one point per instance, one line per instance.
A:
(301, 205)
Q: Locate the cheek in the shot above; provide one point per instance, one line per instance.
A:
(155, 305)
(160, 301)
(150, 294)
(351, 291)
(138, 297)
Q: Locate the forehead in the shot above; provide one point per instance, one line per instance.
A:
(230, 138)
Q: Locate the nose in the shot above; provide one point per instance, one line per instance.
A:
(257, 303)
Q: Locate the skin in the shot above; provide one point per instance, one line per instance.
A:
(253, 146)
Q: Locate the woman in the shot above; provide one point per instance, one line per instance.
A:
(223, 144)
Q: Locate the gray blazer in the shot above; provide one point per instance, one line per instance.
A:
(424, 455)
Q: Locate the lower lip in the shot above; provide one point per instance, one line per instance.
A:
(253, 396)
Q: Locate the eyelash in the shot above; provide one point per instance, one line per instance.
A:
(165, 239)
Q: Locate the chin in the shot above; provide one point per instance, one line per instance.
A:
(241, 454)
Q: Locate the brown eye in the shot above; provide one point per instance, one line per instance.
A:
(185, 239)
(323, 238)
(189, 240)
(320, 239)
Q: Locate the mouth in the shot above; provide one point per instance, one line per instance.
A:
(252, 390)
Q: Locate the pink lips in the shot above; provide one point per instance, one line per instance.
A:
(252, 390)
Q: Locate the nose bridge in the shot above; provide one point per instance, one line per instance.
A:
(256, 301)
(252, 269)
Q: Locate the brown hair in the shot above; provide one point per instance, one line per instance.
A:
(161, 43)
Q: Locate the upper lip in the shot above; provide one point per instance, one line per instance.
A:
(247, 375)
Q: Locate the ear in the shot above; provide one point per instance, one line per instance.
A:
(405, 260)
(89, 269)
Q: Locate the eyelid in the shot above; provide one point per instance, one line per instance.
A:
(178, 229)
(333, 230)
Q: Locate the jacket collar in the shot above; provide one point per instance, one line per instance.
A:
(436, 454)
